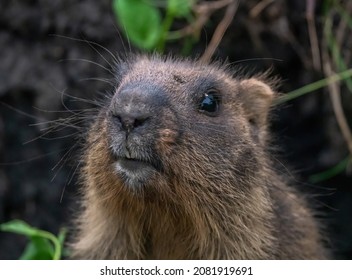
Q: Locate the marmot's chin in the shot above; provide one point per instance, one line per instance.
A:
(134, 173)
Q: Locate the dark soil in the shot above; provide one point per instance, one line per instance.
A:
(38, 171)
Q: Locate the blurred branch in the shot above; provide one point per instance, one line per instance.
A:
(257, 9)
(340, 32)
(203, 12)
(335, 97)
(219, 31)
(310, 7)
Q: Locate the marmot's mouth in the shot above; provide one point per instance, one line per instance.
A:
(132, 164)
(134, 172)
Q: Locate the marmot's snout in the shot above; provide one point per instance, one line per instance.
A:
(133, 119)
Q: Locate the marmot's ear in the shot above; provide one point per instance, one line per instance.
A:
(256, 97)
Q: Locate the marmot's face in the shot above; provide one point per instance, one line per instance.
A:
(179, 120)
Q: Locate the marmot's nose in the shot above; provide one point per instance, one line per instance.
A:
(130, 121)
(134, 107)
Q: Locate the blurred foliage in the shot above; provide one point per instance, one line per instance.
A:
(143, 24)
(335, 54)
(43, 245)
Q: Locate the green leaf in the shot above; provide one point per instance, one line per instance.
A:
(39, 246)
(20, 227)
(38, 249)
(180, 8)
(140, 21)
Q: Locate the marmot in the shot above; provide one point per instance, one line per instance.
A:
(176, 166)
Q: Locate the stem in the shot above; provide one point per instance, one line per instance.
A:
(54, 240)
(327, 174)
(220, 31)
(335, 97)
(312, 31)
(314, 86)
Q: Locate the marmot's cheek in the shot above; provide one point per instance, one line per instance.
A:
(166, 141)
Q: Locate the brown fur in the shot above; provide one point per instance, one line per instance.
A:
(216, 195)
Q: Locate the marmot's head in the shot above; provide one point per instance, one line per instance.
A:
(170, 121)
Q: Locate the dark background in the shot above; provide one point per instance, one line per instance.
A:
(36, 185)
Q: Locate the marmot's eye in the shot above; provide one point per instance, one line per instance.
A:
(210, 103)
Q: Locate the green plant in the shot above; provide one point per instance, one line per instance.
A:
(43, 245)
(309, 88)
(142, 21)
(335, 55)
(332, 172)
